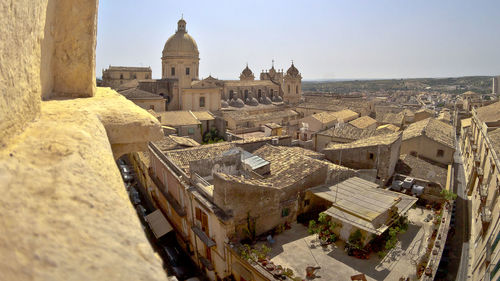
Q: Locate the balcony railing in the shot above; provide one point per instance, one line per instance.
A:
(486, 215)
(483, 190)
(203, 184)
(477, 159)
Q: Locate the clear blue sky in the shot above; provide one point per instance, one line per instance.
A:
(326, 39)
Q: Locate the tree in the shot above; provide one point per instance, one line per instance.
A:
(448, 195)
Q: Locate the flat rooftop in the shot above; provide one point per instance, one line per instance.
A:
(359, 202)
(297, 249)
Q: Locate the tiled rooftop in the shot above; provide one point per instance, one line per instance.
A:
(347, 131)
(388, 128)
(363, 122)
(325, 117)
(494, 137)
(175, 142)
(182, 157)
(415, 167)
(245, 116)
(203, 115)
(178, 118)
(135, 93)
(287, 166)
(387, 139)
(434, 129)
(391, 118)
(489, 113)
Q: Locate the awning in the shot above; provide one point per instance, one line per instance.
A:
(158, 223)
(242, 271)
(207, 264)
(203, 237)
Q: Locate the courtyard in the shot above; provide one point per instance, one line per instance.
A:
(297, 249)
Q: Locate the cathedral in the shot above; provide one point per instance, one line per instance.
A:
(182, 89)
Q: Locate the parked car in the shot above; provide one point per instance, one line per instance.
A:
(127, 177)
(125, 169)
(142, 212)
(181, 265)
(134, 196)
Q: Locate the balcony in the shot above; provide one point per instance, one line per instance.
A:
(480, 173)
(486, 215)
(477, 159)
(483, 191)
(203, 184)
(171, 200)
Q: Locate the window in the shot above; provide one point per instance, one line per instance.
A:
(440, 153)
(121, 76)
(231, 93)
(297, 89)
(289, 89)
(147, 76)
(152, 107)
(187, 70)
(198, 213)
(191, 131)
(172, 71)
(202, 101)
(371, 156)
(285, 212)
(246, 95)
(134, 76)
(307, 202)
(202, 218)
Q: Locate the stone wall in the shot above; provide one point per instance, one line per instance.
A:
(64, 211)
(382, 157)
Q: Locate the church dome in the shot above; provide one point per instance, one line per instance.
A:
(247, 72)
(292, 71)
(181, 44)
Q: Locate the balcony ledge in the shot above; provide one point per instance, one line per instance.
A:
(65, 213)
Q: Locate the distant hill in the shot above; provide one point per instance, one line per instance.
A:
(479, 84)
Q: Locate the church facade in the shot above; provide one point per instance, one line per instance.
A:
(182, 89)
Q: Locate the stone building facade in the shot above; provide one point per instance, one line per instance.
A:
(480, 146)
(377, 152)
(213, 192)
(430, 139)
(114, 76)
(182, 89)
